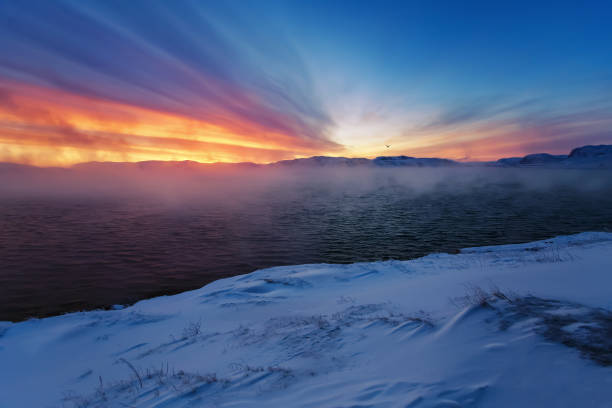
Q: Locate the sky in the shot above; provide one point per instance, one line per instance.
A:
(266, 80)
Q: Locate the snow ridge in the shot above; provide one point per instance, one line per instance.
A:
(504, 326)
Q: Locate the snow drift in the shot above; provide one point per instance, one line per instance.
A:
(514, 325)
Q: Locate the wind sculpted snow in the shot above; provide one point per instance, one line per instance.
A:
(507, 326)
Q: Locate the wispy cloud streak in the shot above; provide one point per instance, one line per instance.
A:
(178, 59)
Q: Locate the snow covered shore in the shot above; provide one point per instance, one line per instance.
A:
(525, 325)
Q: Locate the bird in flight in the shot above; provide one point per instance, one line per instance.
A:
(388, 146)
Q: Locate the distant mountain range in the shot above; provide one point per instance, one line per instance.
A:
(580, 157)
(381, 161)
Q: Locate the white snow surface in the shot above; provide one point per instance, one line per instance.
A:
(426, 332)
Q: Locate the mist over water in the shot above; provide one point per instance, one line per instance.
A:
(102, 235)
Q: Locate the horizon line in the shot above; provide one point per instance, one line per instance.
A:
(279, 161)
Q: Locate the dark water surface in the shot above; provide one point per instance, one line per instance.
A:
(61, 253)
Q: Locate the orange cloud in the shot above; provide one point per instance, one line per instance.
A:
(44, 126)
